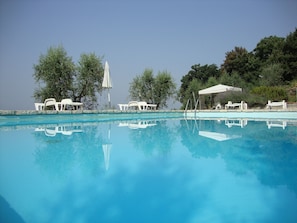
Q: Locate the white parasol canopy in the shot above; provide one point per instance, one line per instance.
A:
(220, 88)
(106, 83)
(217, 136)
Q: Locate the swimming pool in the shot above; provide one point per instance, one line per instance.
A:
(148, 170)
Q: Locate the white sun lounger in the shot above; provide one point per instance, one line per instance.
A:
(242, 105)
(47, 103)
(152, 106)
(51, 102)
(123, 107)
(39, 106)
(133, 105)
(271, 104)
(68, 102)
(141, 105)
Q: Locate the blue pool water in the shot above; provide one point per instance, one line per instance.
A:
(170, 170)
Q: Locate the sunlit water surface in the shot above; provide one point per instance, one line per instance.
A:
(150, 171)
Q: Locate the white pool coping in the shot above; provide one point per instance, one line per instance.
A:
(249, 114)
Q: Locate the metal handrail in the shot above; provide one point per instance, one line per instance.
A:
(185, 112)
(196, 106)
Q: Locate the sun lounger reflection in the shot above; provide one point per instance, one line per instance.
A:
(53, 131)
(138, 124)
(280, 124)
(240, 122)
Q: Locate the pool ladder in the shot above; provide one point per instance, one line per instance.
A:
(195, 108)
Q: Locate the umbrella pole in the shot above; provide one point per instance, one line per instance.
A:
(108, 95)
(109, 133)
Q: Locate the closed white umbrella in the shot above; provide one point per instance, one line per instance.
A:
(107, 150)
(106, 83)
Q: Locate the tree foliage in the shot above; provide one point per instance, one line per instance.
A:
(233, 79)
(142, 85)
(58, 77)
(195, 80)
(242, 62)
(235, 60)
(269, 50)
(164, 88)
(270, 93)
(88, 79)
(155, 90)
(191, 93)
(290, 57)
(54, 73)
(271, 75)
(202, 73)
(270, 66)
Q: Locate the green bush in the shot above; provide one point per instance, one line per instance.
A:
(255, 101)
(270, 93)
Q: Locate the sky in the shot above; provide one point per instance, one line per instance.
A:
(132, 35)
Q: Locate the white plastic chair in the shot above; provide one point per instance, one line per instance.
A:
(68, 101)
(51, 102)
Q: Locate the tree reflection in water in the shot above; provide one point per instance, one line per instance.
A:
(154, 139)
(60, 154)
(270, 153)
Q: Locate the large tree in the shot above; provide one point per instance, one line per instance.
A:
(164, 88)
(269, 50)
(290, 57)
(58, 77)
(200, 76)
(271, 75)
(155, 90)
(239, 60)
(272, 63)
(190, 93)
(54, 74)
(88, 80)
(202, 73)
(235, 60)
